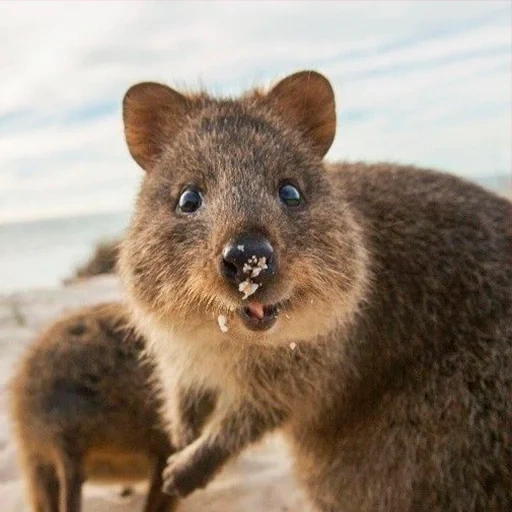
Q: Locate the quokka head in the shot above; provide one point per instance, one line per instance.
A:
(237, 219)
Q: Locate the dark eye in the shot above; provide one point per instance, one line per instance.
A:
(290, 195)
(190, 201)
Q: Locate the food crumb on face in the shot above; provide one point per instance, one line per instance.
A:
(293, 345)
(255, 272)
(240, 248)
(262, 263)
(247, 288)
(254, 266)
(222, 320)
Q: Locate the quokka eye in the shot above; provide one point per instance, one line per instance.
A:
(190, 201)
(290, 195)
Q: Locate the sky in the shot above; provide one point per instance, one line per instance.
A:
(421, 82)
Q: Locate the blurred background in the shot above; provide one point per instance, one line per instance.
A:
(427, 83)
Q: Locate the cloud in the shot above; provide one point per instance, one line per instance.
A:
(418, 82)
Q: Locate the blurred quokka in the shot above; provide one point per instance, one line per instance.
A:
(364, 309)
(84, 408)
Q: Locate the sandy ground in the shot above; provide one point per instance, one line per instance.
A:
(259, 480)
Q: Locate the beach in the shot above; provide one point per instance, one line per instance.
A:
(260, 480)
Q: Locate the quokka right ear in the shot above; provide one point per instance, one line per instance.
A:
(152, 115)
(306, 100)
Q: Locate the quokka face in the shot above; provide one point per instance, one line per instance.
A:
(226, 223)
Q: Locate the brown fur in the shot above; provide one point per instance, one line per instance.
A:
(395, 289)
(84, 409)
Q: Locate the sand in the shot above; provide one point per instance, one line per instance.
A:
(260, 480)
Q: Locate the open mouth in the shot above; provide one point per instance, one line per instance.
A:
(259, 317)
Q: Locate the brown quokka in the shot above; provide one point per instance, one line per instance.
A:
(84, 408)
(364, 309)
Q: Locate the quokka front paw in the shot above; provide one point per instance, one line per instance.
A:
(192, 468)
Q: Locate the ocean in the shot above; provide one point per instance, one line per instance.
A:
(42, 253)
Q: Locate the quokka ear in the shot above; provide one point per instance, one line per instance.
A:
(152, 114)
(306, 99)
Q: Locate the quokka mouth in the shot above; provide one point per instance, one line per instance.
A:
(259, 317)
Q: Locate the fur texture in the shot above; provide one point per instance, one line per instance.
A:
(83, 408)
(389, 367)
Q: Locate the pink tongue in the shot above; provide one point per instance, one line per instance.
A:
(256, 309)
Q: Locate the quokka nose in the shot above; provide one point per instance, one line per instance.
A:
(248, 256)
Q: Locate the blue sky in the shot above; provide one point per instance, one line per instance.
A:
(417, 82)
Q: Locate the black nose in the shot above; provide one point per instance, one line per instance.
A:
(248, 256)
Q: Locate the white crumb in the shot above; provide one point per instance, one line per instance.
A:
(253, 268)
(247, 288)
(262, 263)
(255, 272)
(222, 320)
(240, 248)
(293, 345)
